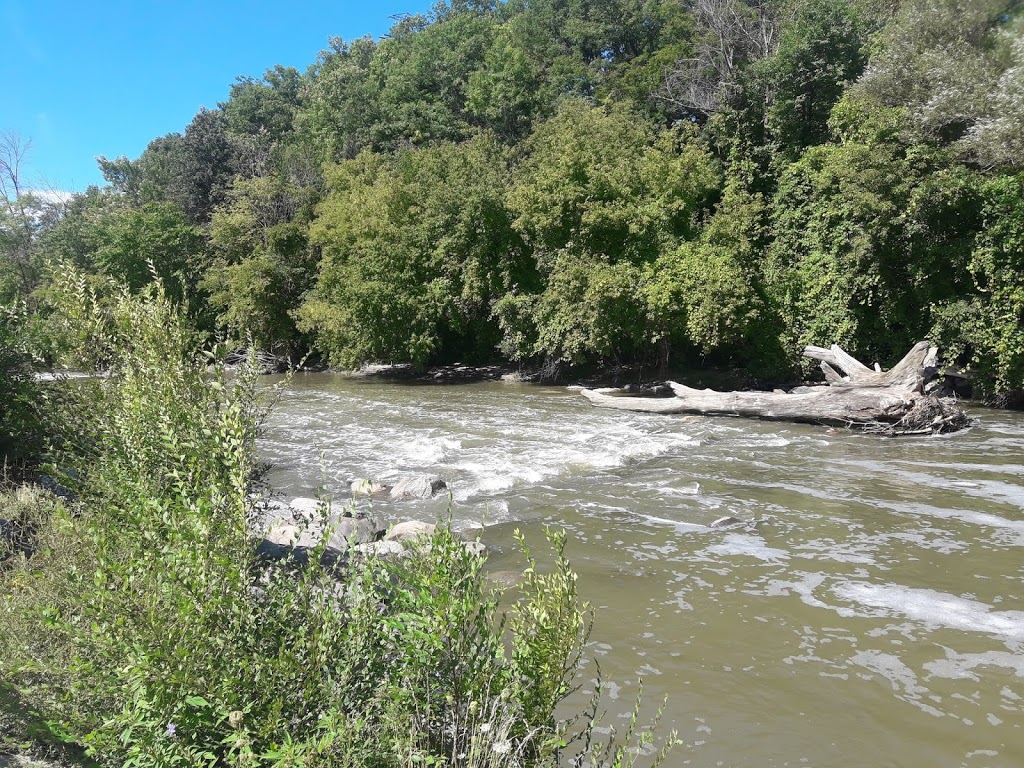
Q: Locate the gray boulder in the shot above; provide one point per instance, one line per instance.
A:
(364, 487)
(475, 548)
(415, 530)
(410, 530)
(56, 488)
(382, 549)
(278, 510)
(418, 487)
(284, 540)
(286, 534)
(306, 509)
(293, 539)
(345, 532)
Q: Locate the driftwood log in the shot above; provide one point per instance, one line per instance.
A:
(890, 402)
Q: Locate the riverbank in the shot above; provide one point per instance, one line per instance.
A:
(603, 376)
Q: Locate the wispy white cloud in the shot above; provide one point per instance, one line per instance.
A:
(51, 196)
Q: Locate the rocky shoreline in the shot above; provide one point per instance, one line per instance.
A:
(291, 531)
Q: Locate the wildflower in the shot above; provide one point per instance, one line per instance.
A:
(503, 747)
(171, 728)
(485, 728)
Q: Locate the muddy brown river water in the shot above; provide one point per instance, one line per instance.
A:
(869, 611)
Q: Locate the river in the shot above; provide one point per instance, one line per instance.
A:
(869, 611)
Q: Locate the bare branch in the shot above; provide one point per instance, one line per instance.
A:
(732, 34)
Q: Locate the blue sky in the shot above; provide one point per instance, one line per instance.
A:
(82, 79)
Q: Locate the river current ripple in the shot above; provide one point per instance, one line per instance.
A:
(868, 612)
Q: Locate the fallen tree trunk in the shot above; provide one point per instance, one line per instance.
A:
(885, 402)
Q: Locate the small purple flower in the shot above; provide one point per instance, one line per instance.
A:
(171, 728)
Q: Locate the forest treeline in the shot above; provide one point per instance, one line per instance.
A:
(565, 182)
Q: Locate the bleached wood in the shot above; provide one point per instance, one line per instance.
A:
(874, 400)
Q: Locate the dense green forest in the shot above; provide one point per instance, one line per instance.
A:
(566, 182)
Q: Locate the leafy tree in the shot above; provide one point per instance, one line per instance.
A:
(340, 103)
(590, 309)
(607, 183)
(264, 107)
(507, 92)
(601, 194)
(421, 70)
(837, 267)
(155, 241)
(819, 53)
(985, 327)
(415, 250)
(124, 176)
(996, 138)
(206, 165)
(162, 169)
(941, 61)
(263, 264)
(700, 298)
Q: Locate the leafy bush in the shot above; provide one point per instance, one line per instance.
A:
(20, 428)
(146, 628)
(986, 330)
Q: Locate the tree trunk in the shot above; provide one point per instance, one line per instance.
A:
(886, 402)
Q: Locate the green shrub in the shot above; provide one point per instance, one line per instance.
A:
(20, 427)
(146, 629)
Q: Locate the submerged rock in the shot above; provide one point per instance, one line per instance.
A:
(727, 522)
(418, 487)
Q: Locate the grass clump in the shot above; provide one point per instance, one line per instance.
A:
(144, 628)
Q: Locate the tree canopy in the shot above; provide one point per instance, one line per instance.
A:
(570, 182)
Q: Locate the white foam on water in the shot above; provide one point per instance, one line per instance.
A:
(764, 442)
(891, 667)
(689, 489)
(1011, 529)
(677, 524)
(932, 607)
(958, 666)
(903, 679)
(804, 586)
(747, 545)
(425, 450)
(535, 452)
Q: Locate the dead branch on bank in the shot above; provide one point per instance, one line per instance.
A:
(890, 402)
